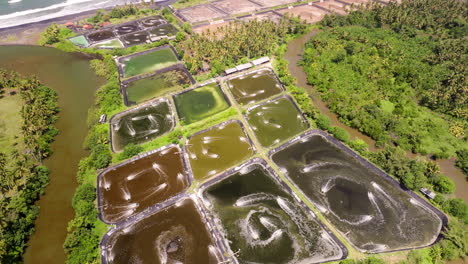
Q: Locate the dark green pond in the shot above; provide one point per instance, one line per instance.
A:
(135, 38)
(199, 103)
(372, 213)
(275, 121)
(164, 30)
(218, 149)
(255, 86)
(101, 35)
(157, 85)
(141, 124)
(264, 223)
(173, 235)
(75, 82)
(132, 187)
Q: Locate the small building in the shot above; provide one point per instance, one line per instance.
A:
(87, 26)
(244, 66)
(103, 119)
(230, 71)
(69, 25)
(429, 194)
(260, 61)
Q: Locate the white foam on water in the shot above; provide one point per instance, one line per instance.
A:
(327, 186)
(67, 7)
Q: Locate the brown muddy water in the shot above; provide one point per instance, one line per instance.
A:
(132, 187)
(294, 55)
(75, 83)
(175, 234)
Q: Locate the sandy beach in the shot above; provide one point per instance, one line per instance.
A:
(29, 34)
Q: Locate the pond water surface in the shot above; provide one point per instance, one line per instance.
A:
(374, 214)
(264, 223)
(129, 188)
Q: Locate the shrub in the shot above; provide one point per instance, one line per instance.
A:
(130, 150)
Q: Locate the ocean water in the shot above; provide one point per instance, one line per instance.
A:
(18, 12)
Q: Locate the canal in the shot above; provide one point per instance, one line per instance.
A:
(75, 82)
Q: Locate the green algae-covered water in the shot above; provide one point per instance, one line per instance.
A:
(147, 61)
(141, 124)
(75, 82)
(160, 84)
(255, 86)
(374, 214)
(176, 234)
(276, 121)
(264, 223)
(132, 187)
(107, 44)
(199, 103)
(217, 149)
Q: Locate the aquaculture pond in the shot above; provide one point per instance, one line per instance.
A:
(109, 44)
(127, 28)
(147, 61)
(101, 35)
(79, 41)
(255, 86)
(275, 121)
(264, 223)
(371, 211)
(175, 234)
(135, 38)
(152, 21)
(217, 149)
(199, 103)
(131, 187)
(162, 83)
(141, 124)
(164, 30)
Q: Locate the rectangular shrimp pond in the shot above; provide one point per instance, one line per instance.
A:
(141, 124)
(363, 203)
(166, 81)
(219, 148)
(147, 61)
(254, 86)
(264, 222)
(200, 103)
(174, 234)
(276, 120)
(133, 186)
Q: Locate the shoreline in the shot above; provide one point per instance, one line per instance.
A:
(29, 34)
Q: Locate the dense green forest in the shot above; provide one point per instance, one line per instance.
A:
(237, 42)
(397, 73)
(23, 177)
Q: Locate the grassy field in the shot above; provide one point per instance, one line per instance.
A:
(149, 62)
(10, 121)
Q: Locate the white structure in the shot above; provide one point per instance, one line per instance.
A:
(260, 61)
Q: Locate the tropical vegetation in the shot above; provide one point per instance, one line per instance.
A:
(397, 73)
(22, 173)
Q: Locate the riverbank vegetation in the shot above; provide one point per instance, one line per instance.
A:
(397, 73)
(22, 173)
